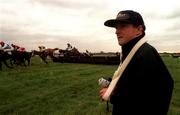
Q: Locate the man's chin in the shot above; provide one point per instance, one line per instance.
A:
(121, 44)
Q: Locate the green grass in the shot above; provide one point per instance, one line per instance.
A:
(173, 65)
(63, 89)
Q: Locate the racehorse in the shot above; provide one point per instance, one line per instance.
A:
(42, 54)
(3, 57)
(69, 53)
(20, 58)
(20, 55)
(50, 52)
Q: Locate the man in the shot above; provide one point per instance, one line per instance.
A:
(69, 47)
(18, 48)
(42, 48)
(145, 86)
(6, 47)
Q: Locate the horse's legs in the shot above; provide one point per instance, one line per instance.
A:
(11, 61)
(0, 65)
(23, 61)
(28, 62)
(6, 64)
(44, 59)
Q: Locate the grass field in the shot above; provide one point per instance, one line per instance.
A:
(64, 89)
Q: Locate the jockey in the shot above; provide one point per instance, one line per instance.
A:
(1, 45)
(18, 48)
(21, 49)
(15, 47)
(69, 47)
(6, 47)
(42, 48)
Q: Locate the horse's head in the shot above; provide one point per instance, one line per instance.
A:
(62, 51)
(35, 52)
(56, 48)
(75, 50)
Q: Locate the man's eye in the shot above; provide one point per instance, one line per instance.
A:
(121, 26)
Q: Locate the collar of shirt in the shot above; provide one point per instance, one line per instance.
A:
(128, 46)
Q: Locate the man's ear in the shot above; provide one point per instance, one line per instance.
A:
(140, 28)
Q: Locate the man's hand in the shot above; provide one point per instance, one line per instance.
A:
(102, 92)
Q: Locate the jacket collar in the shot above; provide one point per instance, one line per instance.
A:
(128, 46)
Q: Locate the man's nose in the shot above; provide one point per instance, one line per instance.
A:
(117, 31)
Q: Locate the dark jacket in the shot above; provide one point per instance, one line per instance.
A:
(145, 87)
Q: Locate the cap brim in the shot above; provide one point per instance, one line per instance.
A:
(113, 22)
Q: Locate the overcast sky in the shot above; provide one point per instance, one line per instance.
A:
(54, 23)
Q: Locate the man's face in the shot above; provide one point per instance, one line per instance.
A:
(126, 32)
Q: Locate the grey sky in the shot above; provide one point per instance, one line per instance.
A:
(54, 23)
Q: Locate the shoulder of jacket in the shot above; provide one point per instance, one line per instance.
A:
(146, 50)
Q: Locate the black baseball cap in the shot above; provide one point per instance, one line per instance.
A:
(128, 17)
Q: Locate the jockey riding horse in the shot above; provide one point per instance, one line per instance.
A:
(20, 55)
